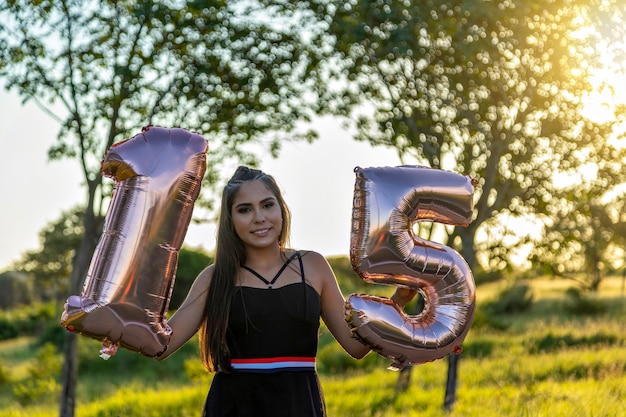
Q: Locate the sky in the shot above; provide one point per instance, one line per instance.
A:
(317, 181)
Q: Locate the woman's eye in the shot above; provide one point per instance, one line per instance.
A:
(269, 205)
(243, 210)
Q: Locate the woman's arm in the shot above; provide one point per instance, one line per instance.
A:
(334, 307)
(188, 318)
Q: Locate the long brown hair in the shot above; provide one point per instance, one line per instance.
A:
(230, 254)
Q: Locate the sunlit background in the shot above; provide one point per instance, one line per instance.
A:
(317, 180)
(528, 97)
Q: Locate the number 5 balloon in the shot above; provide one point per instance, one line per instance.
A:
(125, 297)
(384, 250)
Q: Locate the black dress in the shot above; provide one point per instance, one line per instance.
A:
(272, 337)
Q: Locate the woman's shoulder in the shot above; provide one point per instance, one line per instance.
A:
(313, 260)
(206, 274)
(307, 254)
(316, 269)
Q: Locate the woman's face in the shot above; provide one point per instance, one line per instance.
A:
(256, 215)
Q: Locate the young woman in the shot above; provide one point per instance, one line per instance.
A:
(258, 309)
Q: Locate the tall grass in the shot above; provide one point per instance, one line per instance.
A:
(550, 360)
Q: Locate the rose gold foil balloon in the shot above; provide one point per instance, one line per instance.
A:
(126, 294)
(384, 250)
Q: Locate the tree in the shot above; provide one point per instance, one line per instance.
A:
(577, 245)
(481, 88)
(490, 89)
(51, 264)
(234, 71)
(585, 223)
(16, 288)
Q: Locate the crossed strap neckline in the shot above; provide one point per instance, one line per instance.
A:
(280, 271)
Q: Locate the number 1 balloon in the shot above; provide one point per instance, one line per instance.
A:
(125, 297)
(384, 250)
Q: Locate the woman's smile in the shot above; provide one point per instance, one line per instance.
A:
(261, 232)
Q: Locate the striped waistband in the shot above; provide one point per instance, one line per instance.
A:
(283, 363)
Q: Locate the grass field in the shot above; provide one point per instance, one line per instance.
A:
(549, 360)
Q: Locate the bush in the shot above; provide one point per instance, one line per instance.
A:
(28, 320)
(516, 298)
(16, 288)
(349, 281)
(332, 359)
(42, 372)
(34, 390)
(483, 277)
(478, 348)
(195, 370)
(580, 304)
(5, 376)
(190, 263)
(52, 333)
(136, 401)
(8, 327)
(552, 342)
(135, 365)
(484, 318)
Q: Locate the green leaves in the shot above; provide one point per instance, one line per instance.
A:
(494, 90)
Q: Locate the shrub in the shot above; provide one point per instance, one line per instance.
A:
(552, 342)
(16, 288)
(478, 348)
(483, 277)
(484, 318)
(190, 263)
(28, 320)
(576, 302)
(136, 401)
(42, 372)
(195, 370)
(516, 298)
(124, 360)
(52, 333)
(8, 327)
(5, 376)
(33, 390)
(332, 359)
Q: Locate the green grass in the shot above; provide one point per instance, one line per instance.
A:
(542, 362)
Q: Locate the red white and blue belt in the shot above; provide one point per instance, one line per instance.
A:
(283, 363)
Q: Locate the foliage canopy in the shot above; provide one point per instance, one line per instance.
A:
(495, 90)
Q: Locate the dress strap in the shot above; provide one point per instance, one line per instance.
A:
(270, 283)
(301, 266)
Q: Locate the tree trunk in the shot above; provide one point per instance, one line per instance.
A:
(469, 254)
(79, 270)
(468, 251)
(70, 376)
(70, 351)
(453, 365)
(404, 380)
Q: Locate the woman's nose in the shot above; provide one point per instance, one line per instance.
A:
(258, 216)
